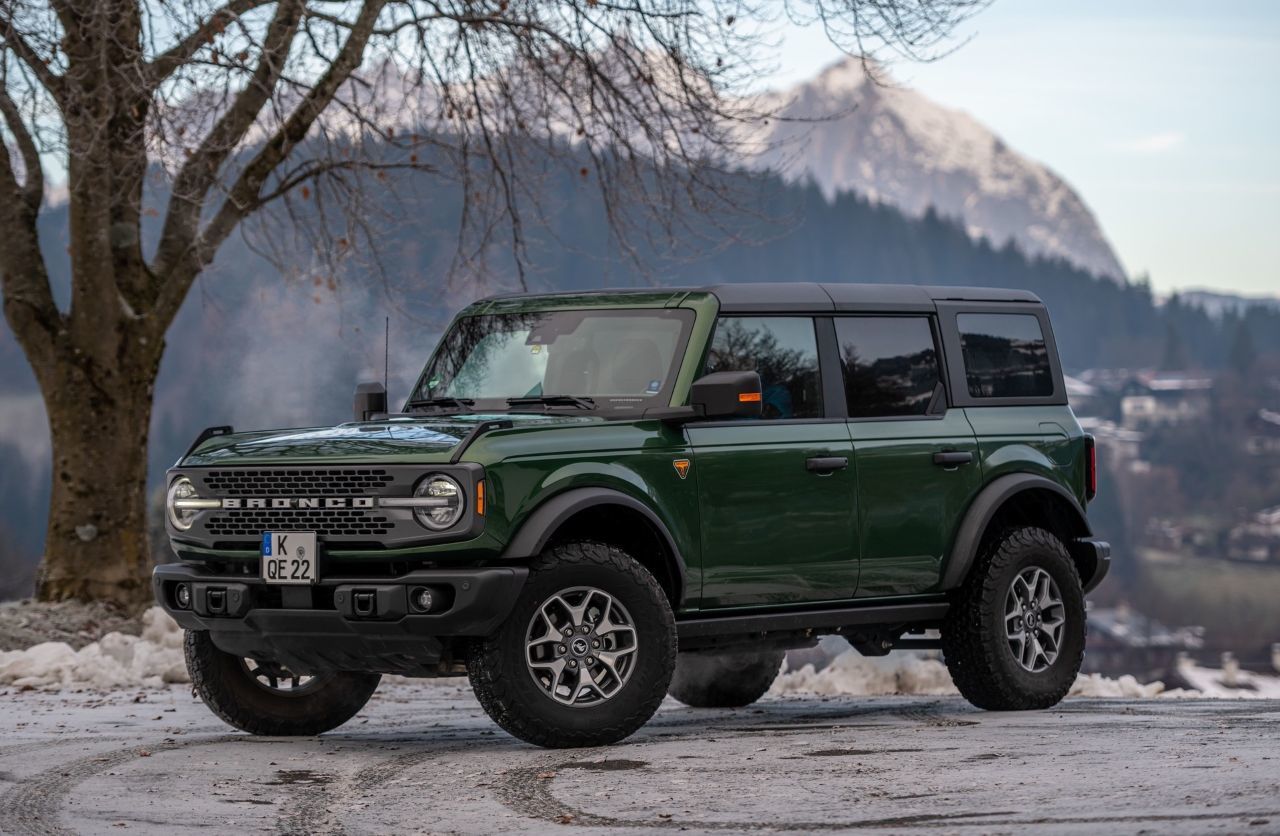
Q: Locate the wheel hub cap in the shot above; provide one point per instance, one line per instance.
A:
(1035, 616)
(581, 646)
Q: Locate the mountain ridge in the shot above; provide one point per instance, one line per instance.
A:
(849, 132)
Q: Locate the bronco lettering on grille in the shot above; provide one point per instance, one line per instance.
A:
(298, 502)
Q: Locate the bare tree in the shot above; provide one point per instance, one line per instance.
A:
(215, 109)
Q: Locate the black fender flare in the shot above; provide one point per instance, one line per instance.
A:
(540, 525)
(964, 549)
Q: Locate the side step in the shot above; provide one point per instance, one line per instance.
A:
(720, 630)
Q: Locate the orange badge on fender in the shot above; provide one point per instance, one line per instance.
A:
(682, 467)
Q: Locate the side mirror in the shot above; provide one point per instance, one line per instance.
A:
(726, 395)
(371, 399)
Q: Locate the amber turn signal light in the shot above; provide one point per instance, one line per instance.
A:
(749, 397)
(480, 498)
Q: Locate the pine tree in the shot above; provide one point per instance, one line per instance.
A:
(1243, 353)
(1175, 350)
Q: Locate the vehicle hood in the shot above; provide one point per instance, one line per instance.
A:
(427, 439)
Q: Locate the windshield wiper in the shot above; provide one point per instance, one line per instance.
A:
(575, 401)
(460, 404)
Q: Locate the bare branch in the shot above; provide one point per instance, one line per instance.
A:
(314, 170)
(201, 170)
(12, 39)
(244, 195)
(180, 53)
(24, 281)
(33, 184)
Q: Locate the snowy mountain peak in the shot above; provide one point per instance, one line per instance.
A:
(894, 145)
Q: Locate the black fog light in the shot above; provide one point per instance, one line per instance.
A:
(182, 595)
(421, 599)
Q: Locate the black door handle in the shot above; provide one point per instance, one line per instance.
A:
(952, 458)
(826, 464)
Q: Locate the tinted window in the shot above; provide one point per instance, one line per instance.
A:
(1004, 356)
(784, 350)
(890, 364)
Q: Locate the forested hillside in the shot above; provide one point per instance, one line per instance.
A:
(253, 347)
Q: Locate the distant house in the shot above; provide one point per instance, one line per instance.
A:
(1117, 445)
(1080, 395)
(1162, 398)
(1257, 539)
(1122, 640)
(1264, 433)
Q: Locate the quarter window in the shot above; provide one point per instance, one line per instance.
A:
(784, 350)
(890, 365)
(1004, 356)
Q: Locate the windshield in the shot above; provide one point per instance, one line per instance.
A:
(586, 359)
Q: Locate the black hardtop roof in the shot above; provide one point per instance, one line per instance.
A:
(762, 297)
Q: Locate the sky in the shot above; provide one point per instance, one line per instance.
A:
(1163, 114)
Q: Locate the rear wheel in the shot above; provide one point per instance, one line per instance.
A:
(724, 680)
(586, 654)
(1014, 638)
(268, 699)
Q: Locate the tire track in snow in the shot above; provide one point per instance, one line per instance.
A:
(527, 791)
(34, 806)
(318, 809)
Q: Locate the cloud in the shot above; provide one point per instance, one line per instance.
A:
(1154, 144)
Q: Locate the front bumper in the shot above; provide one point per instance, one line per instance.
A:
(342, 624)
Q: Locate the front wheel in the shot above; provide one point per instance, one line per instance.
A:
(1014, 637)
(585, 657)
(265, 698)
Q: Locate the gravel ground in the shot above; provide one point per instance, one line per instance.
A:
(423, 758)
(25, 623)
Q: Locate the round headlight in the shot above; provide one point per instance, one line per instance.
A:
(446, 506)
(180, 518)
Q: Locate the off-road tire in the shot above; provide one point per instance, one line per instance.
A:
(230, 692)
(724, 680)
(501, 677)
(974, 641)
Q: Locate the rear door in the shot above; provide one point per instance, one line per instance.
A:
(1007, 376)
(776, 494)
(917, 459)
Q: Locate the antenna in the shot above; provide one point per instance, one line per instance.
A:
(386, 355)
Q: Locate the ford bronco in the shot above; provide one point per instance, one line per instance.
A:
(592, 500)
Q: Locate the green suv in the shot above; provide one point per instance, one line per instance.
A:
(591, 500)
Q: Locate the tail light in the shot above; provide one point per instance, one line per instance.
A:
(1090, 467)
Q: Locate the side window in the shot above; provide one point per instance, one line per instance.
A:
(1004, 355)
(890, 364)
(784, 350)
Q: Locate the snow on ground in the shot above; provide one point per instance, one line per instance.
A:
(852, 674)
(154, 659)
(1230, 683)
(117, 660)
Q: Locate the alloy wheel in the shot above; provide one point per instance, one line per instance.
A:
(581, 646)
(1034, 617)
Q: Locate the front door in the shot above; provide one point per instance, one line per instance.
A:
(776, 495)
(917, 460)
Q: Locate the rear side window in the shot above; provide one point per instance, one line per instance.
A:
(784, 350)
(890, 364)
(1004, 355)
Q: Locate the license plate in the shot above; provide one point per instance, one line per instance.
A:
(290, 557)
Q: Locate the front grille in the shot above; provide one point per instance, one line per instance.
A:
(328, 481)
(336, 522)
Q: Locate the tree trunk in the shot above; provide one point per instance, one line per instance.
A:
(96, 547)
